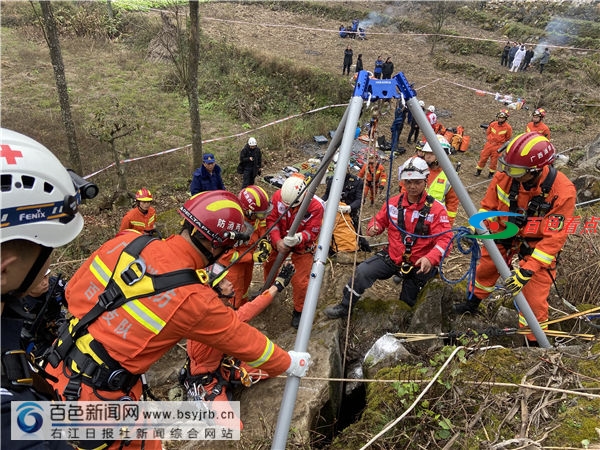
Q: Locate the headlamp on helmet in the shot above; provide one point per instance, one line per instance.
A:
(414, 169)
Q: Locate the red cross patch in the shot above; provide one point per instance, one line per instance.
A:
(10, 154)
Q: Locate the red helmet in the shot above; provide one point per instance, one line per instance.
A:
(254, 200)
(540, 112)
(503, 113)
(216, 215)
(143, 195)
(527, 151)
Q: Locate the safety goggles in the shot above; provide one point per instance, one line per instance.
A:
(513, 172)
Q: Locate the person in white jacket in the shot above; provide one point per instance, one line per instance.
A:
(518, 59)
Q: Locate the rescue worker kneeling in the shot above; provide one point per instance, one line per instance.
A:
(138, 296)
(209, 375)
(411, 219)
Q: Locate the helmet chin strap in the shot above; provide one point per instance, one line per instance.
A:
(33, 272)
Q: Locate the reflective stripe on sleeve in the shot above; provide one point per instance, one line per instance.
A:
(542, 257)
(266, 355)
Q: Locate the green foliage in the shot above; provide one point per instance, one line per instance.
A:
(317, 9)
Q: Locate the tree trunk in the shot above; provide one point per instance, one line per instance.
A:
(192, 84)
(121, 177)
(51, 33)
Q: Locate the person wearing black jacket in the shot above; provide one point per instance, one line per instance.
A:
(352, 192)
(504, 58)
(250, 162)
(359, 63)
(388, 69)
(347, 60)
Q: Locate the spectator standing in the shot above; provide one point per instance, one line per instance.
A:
(378, 67)
(544, 59)
(537, 123)
(343, 33)
(387, 69)
(498, 133)
(526, 59)
(414, 126)
(256, 206)
(415, 259)
(359, 63)
(250, 162)
(121, 343)
(142, 217)
(527, 183)
(398, 124)
(347, 60)
(519, 56)
(512, 53)
(26, 246)
(207, 177)
(286, 202)
(374, 176)
(505, 51)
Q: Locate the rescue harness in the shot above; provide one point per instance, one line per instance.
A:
(228, 374)
(409, 239)
(538, 206)
(86, 358)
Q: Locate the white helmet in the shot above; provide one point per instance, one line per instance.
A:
(414, 169)
(252, 142)
(443, 142)
(421, 103)
(39, 200)
(431, 108)
(293, 190)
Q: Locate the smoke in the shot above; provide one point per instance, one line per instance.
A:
(558, 32)
(372, 19)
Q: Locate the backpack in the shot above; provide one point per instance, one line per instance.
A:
(343, 238)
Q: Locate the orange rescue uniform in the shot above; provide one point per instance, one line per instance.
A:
(497, 135)
(301, 254)
(375, 179)
(137, 220)
(240, 273)
(539, 127)
(205, 359)
(545, 238)
(138, 333)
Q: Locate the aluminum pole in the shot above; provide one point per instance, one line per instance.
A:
(318, 268)
(467, 203)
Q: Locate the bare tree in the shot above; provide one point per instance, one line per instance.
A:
(192, 83)
(111, 124)
(439, 11)
(181, 45)
(51, 36)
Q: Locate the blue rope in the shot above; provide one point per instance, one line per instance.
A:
(460, 234)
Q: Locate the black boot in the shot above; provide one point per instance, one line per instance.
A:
(478, 172)
(468, 307)
(491, 175)
(336, 312)
(296, 319)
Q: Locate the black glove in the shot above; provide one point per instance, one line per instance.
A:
(285, 275)
(517, 279)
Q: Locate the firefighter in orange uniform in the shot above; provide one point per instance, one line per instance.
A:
(256, 206)
(125, 318)
(286, 202)
(375, 177)
(498, 133)
(537, 123)
(527, 184)
(209, 375)
(142, 217)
